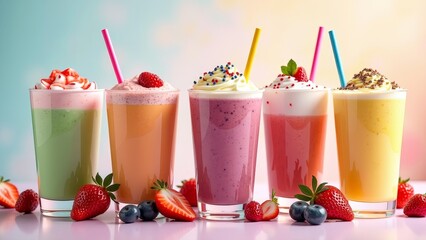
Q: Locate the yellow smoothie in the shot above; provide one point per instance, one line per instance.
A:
(369, 128)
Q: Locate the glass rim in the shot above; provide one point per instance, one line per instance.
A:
(358, 92)
(299, 90)
(142, 91)
(225, 92)
(65, 91)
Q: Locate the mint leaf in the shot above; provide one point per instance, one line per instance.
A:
(284, 70)
(291, 67)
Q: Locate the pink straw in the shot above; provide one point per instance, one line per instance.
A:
(317, 49)
(112, 56)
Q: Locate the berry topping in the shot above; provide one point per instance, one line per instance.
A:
(416, 206)
(291, 69)
(405, 192)
(150, 80)
(148, 210)
(93, 199)
(129, 214)
(253, 211)
(330, 197)
(8, 193)
(27, 201)
(270, 208)
(171, 203)
(189, 190)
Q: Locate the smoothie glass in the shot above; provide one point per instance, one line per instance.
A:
(66, 127)
(225, 128)
(295, 128)
(142, 127)
(369, 128)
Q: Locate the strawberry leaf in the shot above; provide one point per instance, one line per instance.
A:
(112, 196)
(107, 180)
(306, 190)
(302, 197)
(321, 188)
(113, 187)
(314, 183)
(98, 179)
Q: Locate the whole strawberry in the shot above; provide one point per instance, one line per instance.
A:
(8, 193)
(416, 206)
(189, 191)
(253, 211)
(293, 70)
(149, 80)
(93, 199)
(27, 201)
(270, 208)
(405, 192)
(330, 197)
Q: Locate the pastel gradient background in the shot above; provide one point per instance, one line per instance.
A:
(179, 40)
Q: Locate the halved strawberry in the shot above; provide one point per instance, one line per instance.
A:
(171, 203)
(8, 193)
(189, 191)
(270, 208)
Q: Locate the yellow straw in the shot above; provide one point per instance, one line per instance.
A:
(252, 53)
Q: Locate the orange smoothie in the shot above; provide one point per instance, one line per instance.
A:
(142, 128)
(369, 129)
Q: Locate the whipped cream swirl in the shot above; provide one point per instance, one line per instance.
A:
(224, 78)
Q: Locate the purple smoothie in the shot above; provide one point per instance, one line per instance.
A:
(225, 135)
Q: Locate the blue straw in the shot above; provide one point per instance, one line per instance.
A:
(337, 59)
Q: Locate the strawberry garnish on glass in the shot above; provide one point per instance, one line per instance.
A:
(93, 199)
(330, 197)
(171, 203)
(8, 193)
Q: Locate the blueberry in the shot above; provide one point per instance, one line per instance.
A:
(315, 214)
(129, 214)
(296, 210)
(148, 210)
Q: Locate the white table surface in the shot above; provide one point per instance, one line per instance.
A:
(14, 225)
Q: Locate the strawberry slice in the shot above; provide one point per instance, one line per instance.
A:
(171, 203)
(70, 72)
(270, 208)
(8, 193)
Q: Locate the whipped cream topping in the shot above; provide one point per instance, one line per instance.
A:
(370, 80)
(288, 82)
(224, 78)
(67, 79)
(133, 85)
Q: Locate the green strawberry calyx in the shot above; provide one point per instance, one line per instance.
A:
(290, 69)
(106, 183)
(159, 185)
(402, 181)
(308, 194)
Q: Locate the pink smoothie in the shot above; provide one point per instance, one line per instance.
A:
(225, 134)
(295, 150)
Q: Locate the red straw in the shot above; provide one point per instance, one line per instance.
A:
(111, 53)
(317, 49)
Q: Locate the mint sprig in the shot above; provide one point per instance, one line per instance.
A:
(290, 69)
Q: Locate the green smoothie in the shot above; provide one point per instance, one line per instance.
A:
(66, 145)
